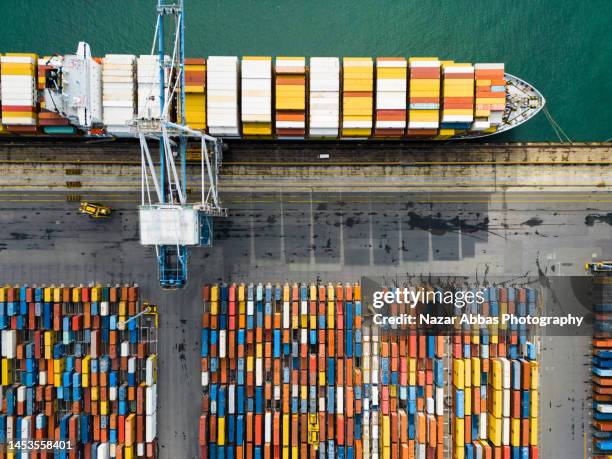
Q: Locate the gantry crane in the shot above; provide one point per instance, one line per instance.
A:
(167, 220)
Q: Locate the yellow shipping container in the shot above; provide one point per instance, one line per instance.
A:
(95, 294)
(49, 338)
(515, 432)
(475, 371)
(47, 295)
(495, 430)
(290, 103)
(424, 115)
(7, 373)
(356, 132)
(534, 374)
(467, 402)
(285, 429)
(459, 373)
(386, 430)
(468, 372)
(497, 400)
(534, 402)
(221, 431)
(533, 431)
(459, 432)
(57, 295)
(257, 129)
(458, 111)
(2, 294)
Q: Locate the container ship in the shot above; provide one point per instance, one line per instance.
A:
(251, 97)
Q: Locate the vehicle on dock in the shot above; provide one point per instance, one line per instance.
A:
(95, 210)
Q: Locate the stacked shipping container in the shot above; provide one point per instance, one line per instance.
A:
(148, 86)
(324, 88)
(222, 96)
(294, 371)
(490, 97)
(69, 372)
(257, 96)
(195, 93)
(602, 367)
(18, 91)
(357, 96)
(391, 81)
(424, 108)
(496, 380)
(290, 97)
(118, 92)
(458, 98)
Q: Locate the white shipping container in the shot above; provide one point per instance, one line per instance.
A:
(439, 401)
(9, 343)
(125, 349)
(506, 431)
(150, 428)
(482, 426)
(132, 365)
(21, 393)
(422, 124)
(151, 400)
(506, 402)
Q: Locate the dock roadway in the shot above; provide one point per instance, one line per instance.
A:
(305, 235)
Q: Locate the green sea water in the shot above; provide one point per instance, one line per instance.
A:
(564, 48)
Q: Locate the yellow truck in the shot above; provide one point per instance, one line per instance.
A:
(95, 210)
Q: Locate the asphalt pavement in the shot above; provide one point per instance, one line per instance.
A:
(331, 237)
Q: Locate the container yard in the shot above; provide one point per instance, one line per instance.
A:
(289, 250)
(298, 371)
(76, 371)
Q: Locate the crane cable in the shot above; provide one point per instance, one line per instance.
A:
(563, 137)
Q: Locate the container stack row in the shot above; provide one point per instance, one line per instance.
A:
(391, 85)
(496, 380)
(195, 93)
(290, 74)
(50, 120)
(18, 91)
(70, 372)
(458, 98)
(490, 97)
(424, 97)
(222, 96)
(601, 431)
(257, 96)
(147, 77)
(357, 97)
(118, 92)
(324, 107)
